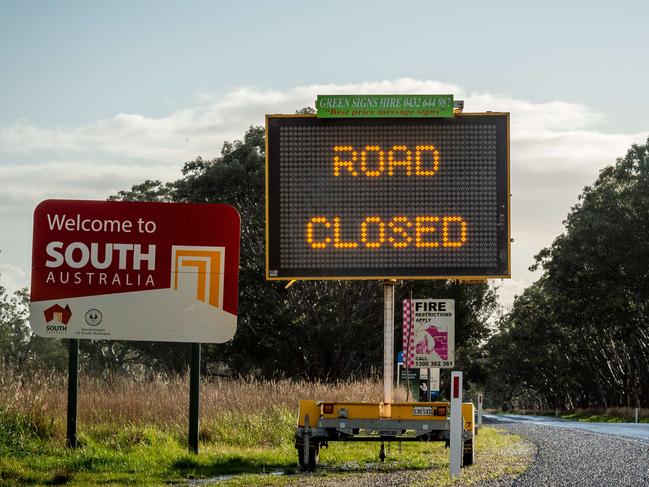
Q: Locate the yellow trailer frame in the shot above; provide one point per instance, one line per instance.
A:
(320, 422)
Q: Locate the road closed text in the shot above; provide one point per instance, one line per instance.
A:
(399, 232)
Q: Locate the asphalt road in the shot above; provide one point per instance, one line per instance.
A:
(638, 431)
(579, 454)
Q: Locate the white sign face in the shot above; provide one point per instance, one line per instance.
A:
(429, 332)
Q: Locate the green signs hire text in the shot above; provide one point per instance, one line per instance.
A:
(384, 106)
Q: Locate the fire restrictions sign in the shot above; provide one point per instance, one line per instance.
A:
(135, 271)
(429, 333)
(387, 198)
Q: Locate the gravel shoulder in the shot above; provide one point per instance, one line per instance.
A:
(568, 457)
(504, 459)
(556, 457)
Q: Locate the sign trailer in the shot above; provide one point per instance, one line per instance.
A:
(105, 270)
(388, 187)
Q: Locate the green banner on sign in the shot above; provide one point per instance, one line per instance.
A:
(384, 106)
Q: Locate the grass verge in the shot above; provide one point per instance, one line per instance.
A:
(611, 415)
(150, 456)
(599, 415)
(135, 433)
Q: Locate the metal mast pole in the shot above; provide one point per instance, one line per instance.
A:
(388, 340)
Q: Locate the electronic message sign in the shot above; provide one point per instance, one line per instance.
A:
(108, 270)
(387, 198)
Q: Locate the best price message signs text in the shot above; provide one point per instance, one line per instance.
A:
(135, 271)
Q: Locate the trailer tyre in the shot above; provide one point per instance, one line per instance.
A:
(314, 452)
(467, 453)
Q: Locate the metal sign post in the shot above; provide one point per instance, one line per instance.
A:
(388, 339)
(456, 423)
(73, 392)
(194, 396)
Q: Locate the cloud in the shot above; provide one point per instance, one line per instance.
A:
(508, 289)
(13, 278)
(556, 149)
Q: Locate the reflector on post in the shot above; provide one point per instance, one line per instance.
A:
(456, 423)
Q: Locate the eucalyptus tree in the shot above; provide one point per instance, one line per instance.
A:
(580, 335)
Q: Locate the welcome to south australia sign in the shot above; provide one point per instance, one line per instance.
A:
(135, 271)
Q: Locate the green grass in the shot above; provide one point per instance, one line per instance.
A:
(590, 417)
(245, 445)
(497, 455)
(599, 415)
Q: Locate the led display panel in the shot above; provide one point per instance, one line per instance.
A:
(387, 198)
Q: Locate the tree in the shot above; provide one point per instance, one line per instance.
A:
(587, 319)
(14, 330)
(19, 348)
(326, 330)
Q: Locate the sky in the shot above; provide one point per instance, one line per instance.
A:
(98, 96)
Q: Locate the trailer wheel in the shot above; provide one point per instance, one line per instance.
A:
(314, 452)
(467, 453)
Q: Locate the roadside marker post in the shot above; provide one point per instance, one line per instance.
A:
(456, 423)
(479, 410)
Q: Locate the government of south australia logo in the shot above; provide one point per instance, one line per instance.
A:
(199, 271)
(93, 317)
(57, 317)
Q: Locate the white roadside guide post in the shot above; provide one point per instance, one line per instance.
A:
(456, 423)
(479, 411)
